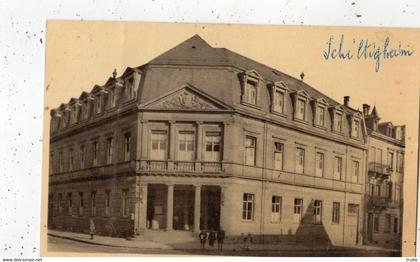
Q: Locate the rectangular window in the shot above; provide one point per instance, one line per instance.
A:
(300, 109)
(71, 159)
(70, 203)
(250, 92)
(124, 206)
(275, 209)
(112, 97)
(300, 160)
(387, 228)
(109, 150)
(213, 146)
(297, 209)
(95, 148)
(107, 202)
(278, 102)
(337, 168)
(378, 190)
(61, 161)
(355, 171)
(85, 110)
(336, 213)
(186, 145)
(159, 145)
(391, 160)
(379, 156)
(127, 143)
(93, 203)
(317, 211)
(82, 156)
(278, 156)
(60, 203)
(81, 204)
(320, 116)
(250, 146)
(248, 207)
(395, 225)
(98, 104)
(129, 88)
(319, 160)
(338, 122)
(51, 166)
(400, 162)
(397, 193)
(376, 224)
(355, 128)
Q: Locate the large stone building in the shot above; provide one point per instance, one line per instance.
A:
(385, 178)
(203, 138)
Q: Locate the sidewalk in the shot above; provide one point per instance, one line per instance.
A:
(146, 243)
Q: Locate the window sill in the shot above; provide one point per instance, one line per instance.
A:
(300, 120)
(274, 112)
(247, 221)
(251, 105)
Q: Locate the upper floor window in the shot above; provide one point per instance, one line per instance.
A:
(250, 145)
(110, 149)
(51, 165)
(129, 88)
(338, 165)
(355, 128)
(71, 159)
(320, 116)
(398, 133)
(112, 97)
(82, 156)
(98, 104)
(250, 92)
(319, 171)
(379, 155)
(391, 160)
(338, 122)
(355, 171)
(400, 162)
(127, 144)
(300, 160)
(213, 146)
(61, 161)
(95, 148)
(278, 103)
(186, 142)
(278, 156)
(159, 140)
(85, 107)
(300, 109)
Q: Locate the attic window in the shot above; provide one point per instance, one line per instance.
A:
(250, 85)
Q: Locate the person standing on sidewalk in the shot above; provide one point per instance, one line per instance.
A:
(91, 228)
(212, 238)
(247, 242)
(203, 237)
(220, 239)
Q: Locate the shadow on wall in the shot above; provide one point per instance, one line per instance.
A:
(309, 231)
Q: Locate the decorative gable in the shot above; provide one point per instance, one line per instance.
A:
(185, 98)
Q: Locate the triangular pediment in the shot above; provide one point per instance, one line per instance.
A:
(186, 97)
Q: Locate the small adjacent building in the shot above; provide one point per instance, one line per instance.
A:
(205, 138)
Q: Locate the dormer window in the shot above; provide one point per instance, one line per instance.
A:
(129, 88)
(278, 97)
(320, 110)
(320, 116)
(250, 84)
(389, 131)
(111, 97)
(300, 109)
(98, 104)
(300, 102)
(338, 122)
(355, 128)
(85, 110)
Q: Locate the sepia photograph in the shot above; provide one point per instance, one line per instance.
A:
(229, 140)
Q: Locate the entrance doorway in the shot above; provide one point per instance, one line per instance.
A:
(156, 206)
(183, 207)
(210, 208)
(370, 227)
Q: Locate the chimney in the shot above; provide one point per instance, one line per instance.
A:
(346, 100)
(366, 109)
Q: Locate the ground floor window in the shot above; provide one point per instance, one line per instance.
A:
(107, 202)
(70, 203)
(275, 209)
(376, 224)
(387, 223)
(395, 225)
(297, 209)
(248, 207)
(93, 203)
(81, 204)
(125, 202)
(60, 200)
(336, 213)
(317, 211)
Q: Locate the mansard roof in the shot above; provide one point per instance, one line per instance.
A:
(196, 51)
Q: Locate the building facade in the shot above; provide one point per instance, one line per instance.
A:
(384, 185)
(204, 138)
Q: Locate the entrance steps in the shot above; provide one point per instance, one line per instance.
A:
(166, 237)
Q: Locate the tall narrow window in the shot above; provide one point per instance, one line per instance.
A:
(186, 144)
(355, 171)
(60, 203)
(317, 211)
(278, 156)
(250, 145)
(376, 224)
(379, 156)
(61, 161)
(395, 225)
(70, 203)
(85, 110)
(71, 159)
(297, 209)
(336, 213)
(51, 166)
(278, 105)
(129, 87)
(82, 156)
(300, 160)
(338, 167)
(107, 202)
(338, 122)
(275, 209)
(387, 228)
(213, 146)
(355, 128)
(124, 206)
(159, 145)
(98, 104)
(300, 109)
(93, 203)
(109, 150)
(250, 92)
(248, 207)
(112, 97)
(320, 116)
(81, 204)
(95, 148)
(400, 162)
(127, 143)
(391, 160)
(319, 171)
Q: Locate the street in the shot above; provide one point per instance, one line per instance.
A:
(56, 244)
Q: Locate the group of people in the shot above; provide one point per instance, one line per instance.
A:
(212, 236)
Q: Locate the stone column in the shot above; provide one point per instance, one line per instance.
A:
(170, 208)
(197, 208)
(199, 145)
(142, 215)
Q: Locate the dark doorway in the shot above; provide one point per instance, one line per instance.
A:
(370, 227)
(210, 208)
(156, 206)
(183, 208)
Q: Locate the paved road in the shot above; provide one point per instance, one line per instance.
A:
(64, 245)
